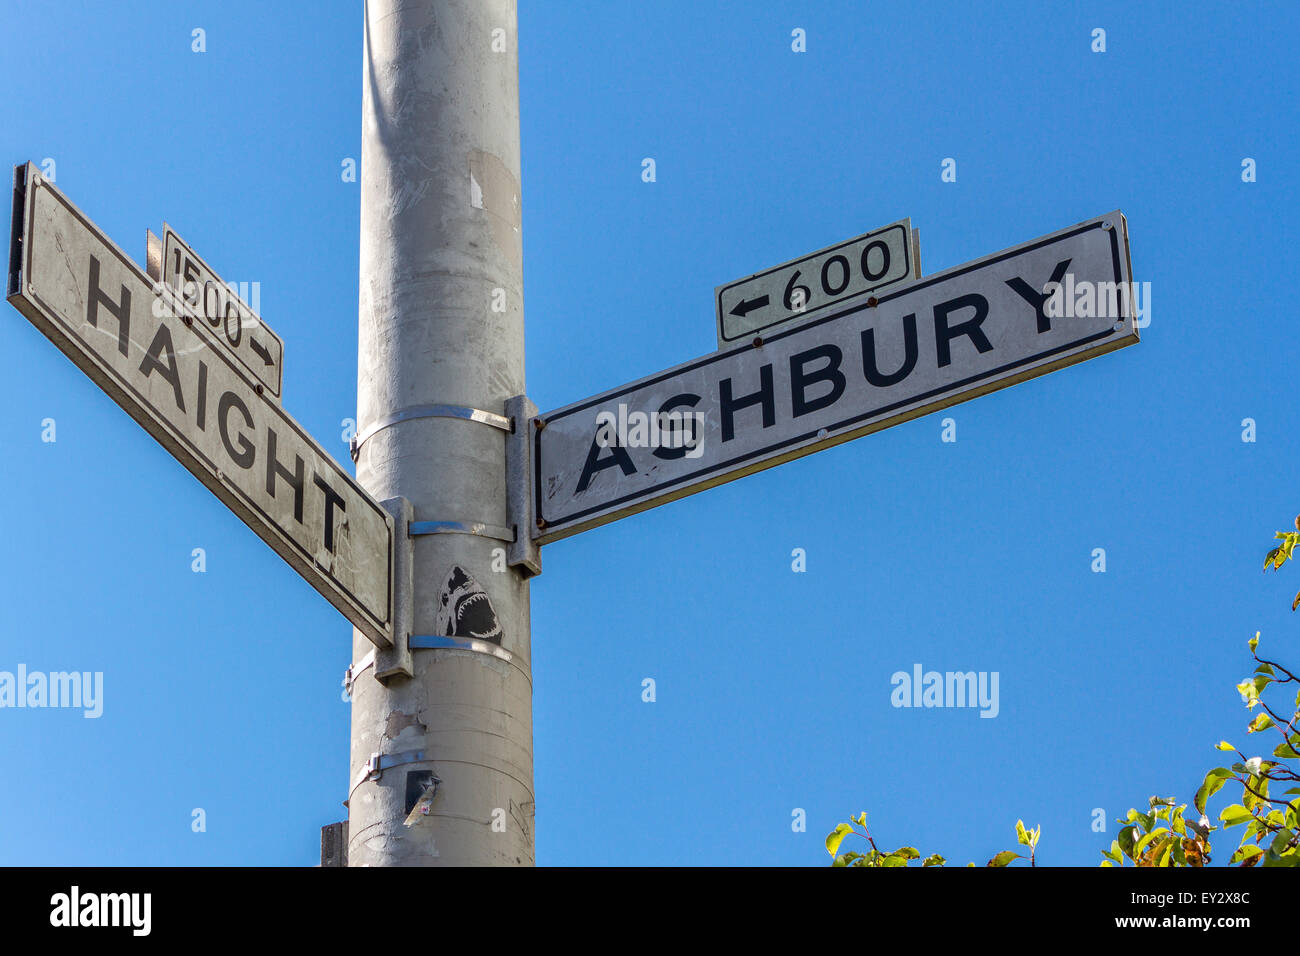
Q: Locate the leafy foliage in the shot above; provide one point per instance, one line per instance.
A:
(1163, 835)
(906, 854)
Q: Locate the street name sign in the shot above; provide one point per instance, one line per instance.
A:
(171, 373)
(808, 286)
(856, 369)
(234, 324)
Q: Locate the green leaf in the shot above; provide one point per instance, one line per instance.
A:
(1245, 853)
(1021, 836)
(1165, 848)
(1262, 721)
(1286, 750)
(908, 853)
(893, 860)
(934, 859)
(1254, 641)
(1147, 839)
(836, 837)
(1223, 744)
(1125, 840)
(1005, 857)
(1214, 781)
(1234, 814)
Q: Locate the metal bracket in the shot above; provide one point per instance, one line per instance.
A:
(429, 411)
(524, 552)
(463, 527)
(377, 763)
(395, 661)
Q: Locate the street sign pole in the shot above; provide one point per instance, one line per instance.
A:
(441, 761)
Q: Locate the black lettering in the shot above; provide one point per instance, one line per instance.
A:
(943, 335)
(871, 367)
(844, 275)
(1039, 299)
(689, 437)
(243, 455)
(294, 478)
(203, 396)
(866, 258)
(729, 405)
(121, 310)
(618, 456)
(162, 346)
(800, 379)
(332, 500)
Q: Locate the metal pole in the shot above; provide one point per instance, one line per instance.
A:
(441, 351)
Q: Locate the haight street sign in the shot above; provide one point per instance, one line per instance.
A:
(857, 369)
(233, 322)
(169, 373)
(805, 287)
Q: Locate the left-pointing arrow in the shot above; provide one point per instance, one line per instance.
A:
(745, 306)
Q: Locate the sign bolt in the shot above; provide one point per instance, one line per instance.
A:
(758, 341)
(872, 302)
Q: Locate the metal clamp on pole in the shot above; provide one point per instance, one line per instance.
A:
(463, 527)
(429, 411)
(377, 763)
(354, 671)
(426, 642)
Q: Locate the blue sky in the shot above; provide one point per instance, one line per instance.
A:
(222, 689)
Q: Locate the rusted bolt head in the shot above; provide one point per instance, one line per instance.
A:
(758, 341)
(872, 302)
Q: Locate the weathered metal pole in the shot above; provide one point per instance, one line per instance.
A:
(441, 353)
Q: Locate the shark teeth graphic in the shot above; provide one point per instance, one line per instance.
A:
(465, 610)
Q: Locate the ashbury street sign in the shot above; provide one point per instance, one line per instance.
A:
(197, 398)
(852, 370)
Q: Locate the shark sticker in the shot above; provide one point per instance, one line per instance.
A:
(464, 609)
